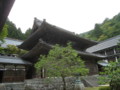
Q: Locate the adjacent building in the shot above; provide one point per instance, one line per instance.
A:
(107, 47)
(12, 68)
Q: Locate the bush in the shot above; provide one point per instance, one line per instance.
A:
(104, 88)
(112, 72)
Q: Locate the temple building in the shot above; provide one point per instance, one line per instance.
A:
(12, 68)
(44, 36)
(107, 47)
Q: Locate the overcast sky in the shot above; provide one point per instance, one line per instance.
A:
(74, 15)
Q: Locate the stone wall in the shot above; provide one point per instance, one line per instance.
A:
(12, 86)
(57, 84)
(49, 84)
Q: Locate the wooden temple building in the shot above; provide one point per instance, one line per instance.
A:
(45, 35)
(108, 47)
(12, 68)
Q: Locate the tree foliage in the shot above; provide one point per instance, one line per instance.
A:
(11, 49)
(3, 33)
(16, 33)
(28, 32)
(61, 62)
(111, 75)
(105, 30)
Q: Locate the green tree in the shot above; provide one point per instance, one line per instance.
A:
(102, 37)
(13, 32)
(109, 28)
(97, 32)
(3, 33)
(62, 62)
(112, 72)
(11, 49)
(27, 33)
(2, 50)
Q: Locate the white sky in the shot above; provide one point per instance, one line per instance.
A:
(74, 15)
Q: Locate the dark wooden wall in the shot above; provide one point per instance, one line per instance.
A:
(13, 76)
(92, 66)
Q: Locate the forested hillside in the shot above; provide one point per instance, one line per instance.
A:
(105, 30)
(16, 33)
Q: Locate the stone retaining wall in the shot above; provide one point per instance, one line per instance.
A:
(12, 86)
(49, 84)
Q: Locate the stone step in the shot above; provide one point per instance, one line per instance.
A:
(90, 81)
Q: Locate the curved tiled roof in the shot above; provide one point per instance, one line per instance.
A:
(43, 48)
(54, 35)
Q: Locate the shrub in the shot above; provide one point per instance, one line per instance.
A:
(111, 75)
(105, 88)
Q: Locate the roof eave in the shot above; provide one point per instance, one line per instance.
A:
(5, 8)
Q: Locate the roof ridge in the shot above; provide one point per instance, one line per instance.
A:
(72, 33)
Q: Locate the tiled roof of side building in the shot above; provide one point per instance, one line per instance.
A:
(11, 41)
(91, 55)
(104, 44)
(13, 60)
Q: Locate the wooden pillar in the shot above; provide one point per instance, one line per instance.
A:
(25, 72)
(3, 80)
(114, 54)
(43, 74)
(15, 77)
(105, 52)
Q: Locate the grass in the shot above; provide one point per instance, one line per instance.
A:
(92, 88)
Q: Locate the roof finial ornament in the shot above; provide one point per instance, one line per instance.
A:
(44, 20)
(35, 18)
